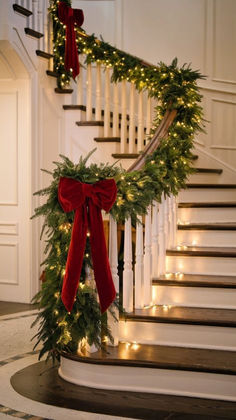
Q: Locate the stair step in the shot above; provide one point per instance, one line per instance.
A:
(223, 252)
(90, 123)
(195, 280)
(107, 139)
(194, 157)
(185, 315)
(52, 73)
(224, 186)
(206, 205)
(112, 402)
(33, 33)
(43, 54)
(83, 108)
(125, 155)
(21, 10)
(209, 170)
(63, 91)
(208, 226)
(163, 357)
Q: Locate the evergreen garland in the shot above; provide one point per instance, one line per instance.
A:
(165, 171)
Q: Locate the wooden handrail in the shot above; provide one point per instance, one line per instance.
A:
(161, 132)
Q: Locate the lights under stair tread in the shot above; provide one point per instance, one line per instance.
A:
(206, 185)
(225, 252)
(195, 280)
(208, 226)
(208, 204)
(162, 357)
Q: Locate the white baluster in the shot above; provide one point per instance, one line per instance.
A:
(155, 247)
(89, 93)
(41, 25)
(140, 121)
(162, 244)
(107, 103)
(98, 93)
(35, 15)
(173, 221)
(147, 262)
(113, 257)
(123, 133)
(28, 4)
(48, 43)
(166, 221)
(128, 271)
(149, 115)
(80, 85)
(139, 264)
(170, 220)
(115, 121)
(131, 119)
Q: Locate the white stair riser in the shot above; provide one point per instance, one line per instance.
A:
(182, 335)
(205, 178)
(212, 215)
(201, 265)
(202, 297)
(207, 195)
(165, 381)
(207, 238)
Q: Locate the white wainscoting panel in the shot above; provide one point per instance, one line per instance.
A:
(9, 263)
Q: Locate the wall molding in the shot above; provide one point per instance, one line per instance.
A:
(15, 281)
(7, 228)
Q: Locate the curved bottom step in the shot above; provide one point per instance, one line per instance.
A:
(155, 369)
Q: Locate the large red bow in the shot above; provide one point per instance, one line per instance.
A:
(87, 200)
(69, 17)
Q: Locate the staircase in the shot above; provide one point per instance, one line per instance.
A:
(183, 341)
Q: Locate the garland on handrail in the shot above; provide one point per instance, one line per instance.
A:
(165, 171)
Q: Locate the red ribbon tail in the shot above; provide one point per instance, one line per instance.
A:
(75, 258)
(102, 272)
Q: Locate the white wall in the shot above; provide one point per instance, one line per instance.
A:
(201, 32)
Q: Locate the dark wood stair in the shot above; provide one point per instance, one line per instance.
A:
(208, 205)
(44, 54)
(222, 252)
(208, 226)
(163, 357)
(195, 280)
(52, 73)
(125, 155)
(185, 315)
(90, 123)
(209, 171)
(107, 139)
(198, 185)
(33, 33)
(63, 91)
(21, 10)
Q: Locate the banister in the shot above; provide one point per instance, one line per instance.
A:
(161, 132)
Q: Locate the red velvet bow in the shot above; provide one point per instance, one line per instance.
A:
(87, 200)
(70, 17)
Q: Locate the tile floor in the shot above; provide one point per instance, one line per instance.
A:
(16, 353)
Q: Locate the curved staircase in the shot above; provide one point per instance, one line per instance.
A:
(184, 343)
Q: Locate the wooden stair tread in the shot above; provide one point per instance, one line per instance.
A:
(33, 33)
(185, 315)
(206, 205)
(194, 157)
(90, 123)
(43, 54)
(63, 91)
(125, 155)
(195, 280)
(22, 10)
(163, 357)
(107, 139)
(83, 108)
(208, 226)
(200, 185)
(225, 252)
(52, 73)
(209, 170)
